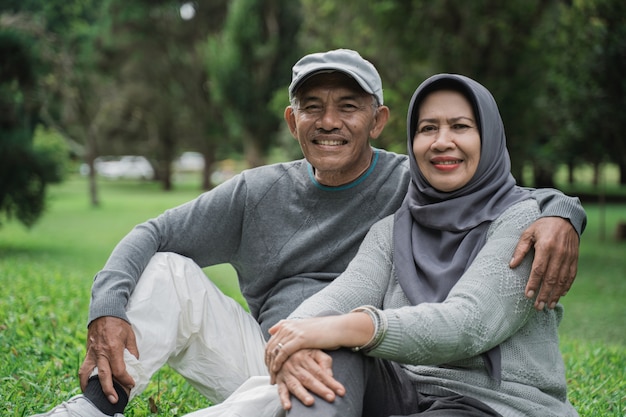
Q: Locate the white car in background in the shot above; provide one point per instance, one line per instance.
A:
(189, 162)
(127, 166)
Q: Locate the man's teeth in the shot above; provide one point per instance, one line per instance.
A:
(330, 142)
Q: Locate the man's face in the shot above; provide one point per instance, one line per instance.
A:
(333, 120)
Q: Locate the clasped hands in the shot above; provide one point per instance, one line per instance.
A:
(296, 361)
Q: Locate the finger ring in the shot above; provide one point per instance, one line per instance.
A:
(280, 345)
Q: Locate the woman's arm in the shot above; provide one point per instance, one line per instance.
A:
(484, 308)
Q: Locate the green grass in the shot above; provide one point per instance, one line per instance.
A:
(46, 274)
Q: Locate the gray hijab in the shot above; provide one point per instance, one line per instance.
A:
(438, 234)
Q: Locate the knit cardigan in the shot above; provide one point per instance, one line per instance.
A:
(439, 344)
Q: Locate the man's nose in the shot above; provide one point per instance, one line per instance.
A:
(330, 118)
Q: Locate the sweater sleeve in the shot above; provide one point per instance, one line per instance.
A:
(554, 203)
(484, 308)
(198, 230)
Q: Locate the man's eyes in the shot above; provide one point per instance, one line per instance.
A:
(344, 108)
(311, 108)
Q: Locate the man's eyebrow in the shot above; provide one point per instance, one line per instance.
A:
(309, 98)
(348, 96)
(353, 96)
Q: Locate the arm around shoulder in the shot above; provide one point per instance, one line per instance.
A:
(555, 238)
(553, 203)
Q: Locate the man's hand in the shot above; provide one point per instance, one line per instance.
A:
(107, 337)
(307, 371)
(556, 259)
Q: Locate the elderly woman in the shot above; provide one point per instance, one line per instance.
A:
(437, 321)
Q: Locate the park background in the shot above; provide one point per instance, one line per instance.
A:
(84, 79)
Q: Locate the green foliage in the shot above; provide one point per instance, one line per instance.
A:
(584, 87)
(24, 174)
(246, 63)
(51, 143)
(133, 77)
(553, 66)
(24, 170)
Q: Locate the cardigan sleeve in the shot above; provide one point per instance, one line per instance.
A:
(484, 308)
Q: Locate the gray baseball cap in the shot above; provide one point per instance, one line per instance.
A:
(343, 60)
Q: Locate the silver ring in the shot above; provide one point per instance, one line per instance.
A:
(280, 345)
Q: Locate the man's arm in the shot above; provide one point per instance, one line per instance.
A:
(199, 229)
(555, 238)
(553, 203)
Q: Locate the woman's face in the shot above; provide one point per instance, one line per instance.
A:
(446, 144)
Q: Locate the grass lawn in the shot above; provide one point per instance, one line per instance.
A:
(46, 273)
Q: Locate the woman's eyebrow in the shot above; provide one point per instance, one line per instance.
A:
(449, 119)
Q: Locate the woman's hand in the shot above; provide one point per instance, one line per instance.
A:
(296, 363)
(329, 333)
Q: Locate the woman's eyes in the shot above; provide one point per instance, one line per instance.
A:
(457, 127)
(428, 129)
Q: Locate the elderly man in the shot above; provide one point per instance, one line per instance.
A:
(288, 230)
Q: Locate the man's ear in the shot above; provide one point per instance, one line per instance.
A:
(380, 121)
(290, 118)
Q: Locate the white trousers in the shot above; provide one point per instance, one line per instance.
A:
(181, 318)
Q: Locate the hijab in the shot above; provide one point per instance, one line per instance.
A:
(438, 234)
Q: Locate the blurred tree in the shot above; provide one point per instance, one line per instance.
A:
(247, 62)
(24, 170)
(543, 73)
(609, 67)
(587, 50)
(75, 92)
(571, 88)
(495, 43)
(371, 29)
(162, 102)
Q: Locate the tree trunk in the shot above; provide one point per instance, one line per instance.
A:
(253, 154)
(543, 177)
(518, 174)
(209, 167)
(596, 174)
(166, 181)
(90, 158)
